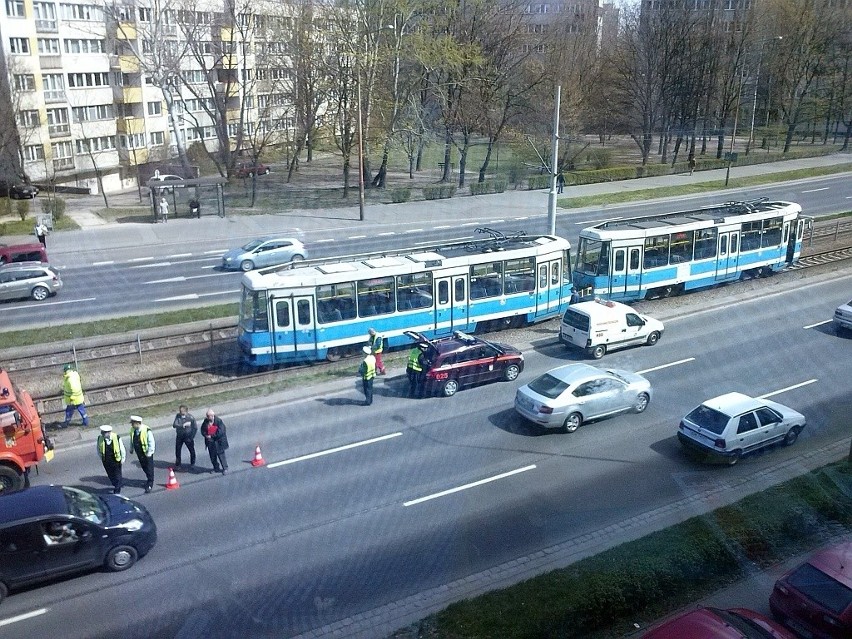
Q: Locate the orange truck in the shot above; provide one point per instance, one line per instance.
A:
(23, 443)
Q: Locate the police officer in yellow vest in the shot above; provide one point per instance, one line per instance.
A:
(72, 393)
(112, 454)
(367, 371)
(414, 370)
(142, 443)
(377, 347)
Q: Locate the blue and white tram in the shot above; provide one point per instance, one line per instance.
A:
(662, 255)
(322, 309)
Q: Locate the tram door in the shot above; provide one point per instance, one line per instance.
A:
(728, 255)
(460, 307)
(549, 290)
(295, 326)
(625, 274)
(443, 307)
(305, 328)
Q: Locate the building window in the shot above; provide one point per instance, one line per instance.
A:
(19, 46)
(95, 145)
(144, 14)
(84, 46)
(57, 122)
(81, 12)
(48, 46)
(28, 118)
(158, 138)
(45, 15)
(155, 108)
(15, 8)
(76, 80)
(24, 82)
(53, 86)
(94, 112)
(33, 152)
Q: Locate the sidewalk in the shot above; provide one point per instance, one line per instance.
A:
(95, 234)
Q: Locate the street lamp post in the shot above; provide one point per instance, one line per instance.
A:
(360, 147)
(734, 132)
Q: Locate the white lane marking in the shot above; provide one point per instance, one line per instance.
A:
(140, 259)
(27, 615)
(107, 263)
(414, 231)
(388, 233)
(824, 188)
(211, 266)
(43, 304)
(194, 296)
(784, 390)
(526, 217)
(186, 278)
(446, 226)
(662, 366)
(467, 224)
(487, 480)
(171, 257)
(828, 321)
(328, 239)
(168, 279)
(495, 221)
(220, 251)
(333, 450)
(158, 264)
(605, 219)
(356, 237)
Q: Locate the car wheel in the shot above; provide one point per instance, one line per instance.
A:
(511, 373)
(297, 258)
(791, 436)
(653, 338)
(735, 457)
(40, 293)
(572, 423)
(120, 558)
(641, 403)
(598, 351)
(449, 387)
(10, 479)
(246, 265)
(266, 172)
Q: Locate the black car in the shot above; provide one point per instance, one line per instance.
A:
(465, 360)
(18, 191)
(53, 531)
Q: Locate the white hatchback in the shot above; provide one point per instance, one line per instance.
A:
(843, 317)
(731, 425)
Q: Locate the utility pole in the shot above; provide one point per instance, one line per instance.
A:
(554, 158)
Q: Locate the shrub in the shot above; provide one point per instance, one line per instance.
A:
(53, 206)
(538, 182)
(5, 207)
(439, 192)
(22, 208)
(488, 186)
(400, 195)
(600, 158)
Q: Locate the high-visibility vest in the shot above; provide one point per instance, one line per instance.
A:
(377, 343)
(414, 359)
(143, 437)
(116, 447)
(368, 367)
(72, 389)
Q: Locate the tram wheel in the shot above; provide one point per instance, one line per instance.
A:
(333, 355)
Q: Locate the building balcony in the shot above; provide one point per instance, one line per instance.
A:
(54, 95)
(63, 164)
(59, 130)
(46, 26)
(50, 61)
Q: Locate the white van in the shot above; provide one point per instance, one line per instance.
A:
(602, 325)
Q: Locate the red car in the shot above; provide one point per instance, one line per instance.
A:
(715, 623)
(815, 598)
(248, 169)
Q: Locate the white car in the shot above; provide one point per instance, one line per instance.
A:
(731, 425)
(266, 251)
(167, 180)
(843, 317)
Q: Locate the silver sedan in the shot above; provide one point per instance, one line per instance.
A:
(567, 396)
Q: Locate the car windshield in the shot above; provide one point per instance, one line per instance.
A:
(617, 376)
(709, 419)
(748, 628)
(252, 245)
(548, 385)
(820, 588)
(84, 505)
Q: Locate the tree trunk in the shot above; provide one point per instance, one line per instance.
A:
(788, 139)
(487, 160)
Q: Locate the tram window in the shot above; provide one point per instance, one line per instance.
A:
(542, 276)
(554, 273)
(593, 257)
(458, 292)
(681, 247)
(771, 232)
(282, 314)
(750, 236)
(443, 292)
(520, 275)
(486, 280)
(303, 312)
(723, 245)
(253, 311)
(376, 297)
(414, 291)
(705, 243)
(619, 261)
(734, 239)
(656, 251)
(566, 267)
(786, 233)
(335, 302)
(634, 259)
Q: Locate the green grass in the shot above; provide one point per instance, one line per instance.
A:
(638, 582)
(687, 189)
(25, 227)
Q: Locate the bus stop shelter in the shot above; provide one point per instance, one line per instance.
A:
(187, 197)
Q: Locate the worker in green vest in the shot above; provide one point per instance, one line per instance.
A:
(414, 370)
(112, 454)
(367, 372)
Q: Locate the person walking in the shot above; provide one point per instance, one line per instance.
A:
(377, 346)
(691, 162)
(560, 182)
(216, 441)
(41, 232)
(367, 371)
(414, 370)
(72, 394)
(112, 453)
(164, 209)
(142, 443)
(185, 429)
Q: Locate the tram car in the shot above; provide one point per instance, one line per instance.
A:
(662, 255)
(322, 309)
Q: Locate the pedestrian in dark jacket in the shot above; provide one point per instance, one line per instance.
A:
(216, 441)
(185, 429)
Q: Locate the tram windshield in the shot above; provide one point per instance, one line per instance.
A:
(592, 257)
(253, 311)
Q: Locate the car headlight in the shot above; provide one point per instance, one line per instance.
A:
(133, 525)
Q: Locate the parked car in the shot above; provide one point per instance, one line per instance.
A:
(266, 251)
(843, 317)
(18, 191)
(33, 252)
(815, 599)
(53, 531)
(716, 623)
(165, 183)
(28, 279)
(452, 363)
(248, 169)
(568, 396)
(731, 425)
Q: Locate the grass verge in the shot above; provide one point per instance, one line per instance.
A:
(641, 581)
(25, 227)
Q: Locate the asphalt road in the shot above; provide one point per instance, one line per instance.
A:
(102, 282)
(360, 507)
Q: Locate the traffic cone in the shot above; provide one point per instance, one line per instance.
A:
(172, 483)
(258, 458)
